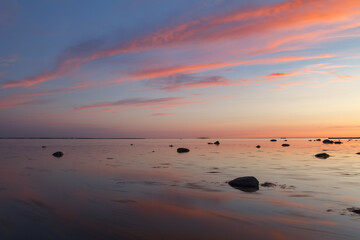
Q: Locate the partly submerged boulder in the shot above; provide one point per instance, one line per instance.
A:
(217, 143)
(328, 141)
(58, 154)
(183, 150)
(322, 155)
(245, 184)
(286, 145)
(273, 140)
(338, 142)
(258, 146)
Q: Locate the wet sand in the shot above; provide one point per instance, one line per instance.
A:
(108, 189)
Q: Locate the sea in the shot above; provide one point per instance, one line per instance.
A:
(145, 189)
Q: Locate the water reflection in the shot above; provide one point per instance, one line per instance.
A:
(107, 189)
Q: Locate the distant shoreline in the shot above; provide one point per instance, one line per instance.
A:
(133, 138)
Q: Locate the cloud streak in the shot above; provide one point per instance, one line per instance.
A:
(153, 103)
(237, 24)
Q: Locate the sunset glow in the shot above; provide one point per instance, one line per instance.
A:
(180, 69)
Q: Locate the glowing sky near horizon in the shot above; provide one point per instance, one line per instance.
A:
(212, 68)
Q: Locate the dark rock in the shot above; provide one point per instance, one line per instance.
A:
(286, 145)
(318, 140)
(310, 140)
(210, 143)
(131, 144)
(273, 140)
(183, 150)
(258, 146)
(246, 184)
(328, 141)
(43, 146)
(58, 154)
(171, 145)
(338, 142)
(268, 184)
(217, 143)
(322, 155)
(358, 153)
(354, 210)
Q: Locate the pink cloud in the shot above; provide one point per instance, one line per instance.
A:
(237, 24)
(140, 102)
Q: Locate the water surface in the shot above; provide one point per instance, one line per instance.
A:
(108, 189)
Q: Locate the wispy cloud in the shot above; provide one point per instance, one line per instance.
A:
(236, 24)
(153, 103)
(161, 114)
(31, 98)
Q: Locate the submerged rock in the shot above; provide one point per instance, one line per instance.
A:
(245, 184)
(171, 145)
(318, 140)
(217, 143)
(354, 210)
(338, 142)
(286, 145)
(328, 141)
(210, 143)
(58, 154)
(183, 150)
(258, 146)
(322, 155)
(268, 184)
(273, 140)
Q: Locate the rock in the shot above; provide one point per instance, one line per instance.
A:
(258, 146)
(318, 140)
(217, 143)
(354, 210)
(171, 145)
(338, 142)
(310, 140)
(273, 140)
(286, 145)
(268, 184)
(322, 155)
(245, 184)
(210, 143)
(358, 153)
(131, 144)
(183, 150)
(328, 141)
(58, 154)
(43, 146)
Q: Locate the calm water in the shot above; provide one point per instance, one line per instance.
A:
(107, 189)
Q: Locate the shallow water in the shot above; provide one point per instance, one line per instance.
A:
(108, 189)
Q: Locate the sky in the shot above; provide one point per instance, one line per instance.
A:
(179, 69)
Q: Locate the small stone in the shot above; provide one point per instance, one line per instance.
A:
(210, 143)
(245, 184)
(358, 153)
(58, 154)
(338, 142)
(258, 146)
(171, 145)
(328, 141)
(268, 184)
(217, 143)
(322, 155)
(286, 145)
(183, 150)
(43, 146)
(273, 140)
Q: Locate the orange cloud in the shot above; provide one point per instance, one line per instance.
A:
(237, 24)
